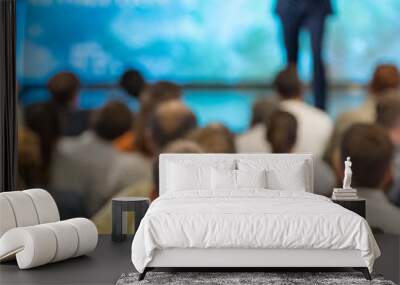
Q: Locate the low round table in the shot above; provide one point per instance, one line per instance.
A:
(120, 207)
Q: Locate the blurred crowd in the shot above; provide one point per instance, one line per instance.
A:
(84, 158)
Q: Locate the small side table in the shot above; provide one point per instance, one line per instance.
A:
(357, 205)
(120, 206)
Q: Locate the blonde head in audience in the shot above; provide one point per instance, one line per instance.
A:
(150, 98)
(214, 138)
(172, 120)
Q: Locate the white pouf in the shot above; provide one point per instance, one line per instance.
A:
(7, 219)
(45, 205)
(37, 245)
(31, 232)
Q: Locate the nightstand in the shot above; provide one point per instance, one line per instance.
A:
(120, 208)
(357, 205)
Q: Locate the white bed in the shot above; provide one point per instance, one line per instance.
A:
(282, 224)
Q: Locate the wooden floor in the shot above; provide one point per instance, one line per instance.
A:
(110, 260)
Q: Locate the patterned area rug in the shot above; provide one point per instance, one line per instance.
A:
(225, 278)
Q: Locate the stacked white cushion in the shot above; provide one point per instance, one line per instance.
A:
(223, 179)
(187, 175)
(226, 179)
(31, 232)
(281, 174)
(185, 178)
(23, 208)
(26, 208)
(41, 244)
(251, 178)
(87, 235)
(45, 205)
(7, 219)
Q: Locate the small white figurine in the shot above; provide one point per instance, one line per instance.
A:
(347, 174)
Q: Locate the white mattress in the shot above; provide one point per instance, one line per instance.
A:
(258, 219)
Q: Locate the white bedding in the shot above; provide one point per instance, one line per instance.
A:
(250, 219)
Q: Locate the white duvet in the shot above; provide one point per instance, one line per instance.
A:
(250, 219)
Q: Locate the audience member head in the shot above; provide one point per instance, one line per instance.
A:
(262, 110)
(150, 98)
(385, 78)
(172, 120)
(132, 82)
(112, 120)
(388, 116)
(159, 92)
(178, 146)
(288, 84)
(371, 153)
(214, 138)
(64, 88)
(43, 119)
(282, 132)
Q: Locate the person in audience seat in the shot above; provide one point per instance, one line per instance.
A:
(45, 122)
(102, 218)
(253, 139)
(314, 125)
(90, 164)
(385, 79)
(171, 120)
(371, 153)
(64, 89)
(282, 136)
(388, 116)
(132, 83)
(150, 98)
(214, 138)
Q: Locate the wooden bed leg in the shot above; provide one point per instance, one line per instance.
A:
(364, 271)
(143, 274)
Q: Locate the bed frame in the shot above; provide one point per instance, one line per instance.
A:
(242, 259)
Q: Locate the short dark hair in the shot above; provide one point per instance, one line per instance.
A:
(371, 153)
(287, 83)
(388, 111)
(282, 132)
(112, 120)
(64, 87)
(133, 82)
(172, 120)
(385, 77)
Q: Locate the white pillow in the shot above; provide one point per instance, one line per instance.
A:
(281, 174)
(223, 179)
(226, 179)
(184, 178)
(251, 178)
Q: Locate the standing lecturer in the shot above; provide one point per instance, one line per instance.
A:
(309, 14)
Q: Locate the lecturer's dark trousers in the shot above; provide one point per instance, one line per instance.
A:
(291, 32)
